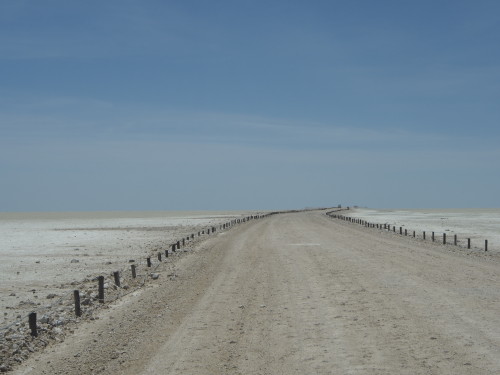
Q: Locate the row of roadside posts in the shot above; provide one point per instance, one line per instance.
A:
(388, 227)
(32, 317)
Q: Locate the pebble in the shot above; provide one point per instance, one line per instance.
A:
(58, 322)
(155, 276)
(75, 261)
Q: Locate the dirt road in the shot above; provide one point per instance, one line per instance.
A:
(299, 293)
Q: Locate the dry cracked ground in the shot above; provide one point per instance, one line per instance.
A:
(299, 293)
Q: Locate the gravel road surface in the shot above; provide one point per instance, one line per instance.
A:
(298, 293)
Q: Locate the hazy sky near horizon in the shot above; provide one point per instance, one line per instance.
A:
(159, 105)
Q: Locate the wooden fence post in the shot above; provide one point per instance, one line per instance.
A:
(444, 238)
(32, 324)
(468, 243)
(132, 268)
(116, 275)
(100, 281)
(455, 240)
(148, 260)
(78, 310)
(485, 245)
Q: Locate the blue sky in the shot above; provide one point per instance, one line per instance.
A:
(159, 105)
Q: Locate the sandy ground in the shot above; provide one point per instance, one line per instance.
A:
(299, 294)
(477, 224)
